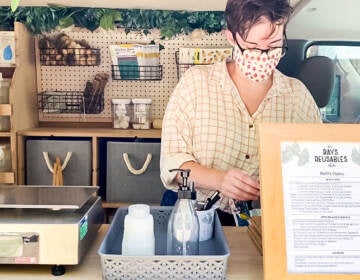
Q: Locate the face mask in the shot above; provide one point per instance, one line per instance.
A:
(257, 66)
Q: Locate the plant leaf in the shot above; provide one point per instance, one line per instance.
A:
(66, 22)
(14, 5)
(107, 21)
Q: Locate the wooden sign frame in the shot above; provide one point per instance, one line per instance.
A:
(272, 203)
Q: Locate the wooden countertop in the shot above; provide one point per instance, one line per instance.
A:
(244, 262)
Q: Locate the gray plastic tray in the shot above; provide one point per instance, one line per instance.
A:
(211, 263)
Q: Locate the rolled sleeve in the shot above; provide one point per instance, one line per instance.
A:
(176, 138)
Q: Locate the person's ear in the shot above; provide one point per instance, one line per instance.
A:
(229, 37)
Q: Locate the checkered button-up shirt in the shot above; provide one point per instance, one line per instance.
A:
(207, 122)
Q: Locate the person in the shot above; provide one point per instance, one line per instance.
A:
(210, 122)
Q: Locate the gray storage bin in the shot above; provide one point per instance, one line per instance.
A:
(135, 178)
(77, 171)
(211, 263)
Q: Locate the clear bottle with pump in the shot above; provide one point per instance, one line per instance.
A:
(183, 225)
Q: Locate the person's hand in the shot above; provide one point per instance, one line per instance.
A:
(238, 185)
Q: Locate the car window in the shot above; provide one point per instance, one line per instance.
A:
(344, 104)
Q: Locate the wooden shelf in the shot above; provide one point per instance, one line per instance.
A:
(91, 132)
(5, 134)
(7, 65)
(199, 5)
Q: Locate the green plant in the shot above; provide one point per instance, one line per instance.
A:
(170, 23)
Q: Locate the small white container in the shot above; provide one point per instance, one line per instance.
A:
(4, 90)
(141, 113)
(5, 157)
(139, 237)
(121, 112)
(206, 223)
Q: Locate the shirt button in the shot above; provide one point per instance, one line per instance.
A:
(247, 156)
(251, 125)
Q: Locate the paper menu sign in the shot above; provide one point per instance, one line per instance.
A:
(321, 186)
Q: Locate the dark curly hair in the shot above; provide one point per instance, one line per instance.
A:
(241, 15)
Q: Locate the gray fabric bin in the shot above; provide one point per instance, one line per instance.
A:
(122, 185)
(76, 173)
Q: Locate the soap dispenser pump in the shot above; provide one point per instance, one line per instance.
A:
(183, 225)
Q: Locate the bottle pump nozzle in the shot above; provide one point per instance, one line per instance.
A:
(184, 173)
(184, 189)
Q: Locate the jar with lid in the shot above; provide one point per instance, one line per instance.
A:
(4, 123)
(141, 113)
(4, 90)
(139, 237)
(5, 157)
(121, 112)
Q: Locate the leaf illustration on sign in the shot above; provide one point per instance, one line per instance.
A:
(355, 156)
(294, 150)
(303, 157)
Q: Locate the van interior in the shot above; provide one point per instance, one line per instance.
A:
(330, 29)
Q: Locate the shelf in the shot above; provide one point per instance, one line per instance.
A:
(199, 5)
(5, 134)
(7, 65)
(91, 132)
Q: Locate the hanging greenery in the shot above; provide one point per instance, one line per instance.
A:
(170, 23)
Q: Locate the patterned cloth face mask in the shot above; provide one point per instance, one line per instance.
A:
(257, 65)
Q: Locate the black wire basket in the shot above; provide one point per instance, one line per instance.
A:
(70, 102)
(136, 72)
(70, 57)
(183, 67)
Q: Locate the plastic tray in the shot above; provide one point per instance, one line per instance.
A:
(211, 263)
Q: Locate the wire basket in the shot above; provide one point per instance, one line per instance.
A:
(136, 72)
(211, 263)
(70, 57)
(183, 67)
(70, 102)
(189, 56)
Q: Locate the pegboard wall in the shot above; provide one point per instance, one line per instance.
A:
(73, 78)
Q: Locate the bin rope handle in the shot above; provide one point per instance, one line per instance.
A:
(63, 166)
(132, 169)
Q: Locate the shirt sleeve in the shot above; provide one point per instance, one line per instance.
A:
(176, 138)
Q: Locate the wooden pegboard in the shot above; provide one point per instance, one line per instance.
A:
(73, 78)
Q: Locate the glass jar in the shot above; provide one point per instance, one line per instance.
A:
(121, 112)
(4, 90)
(4, 123)
(5, 157)
(141, 113)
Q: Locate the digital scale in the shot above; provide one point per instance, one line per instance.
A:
(48, 224)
